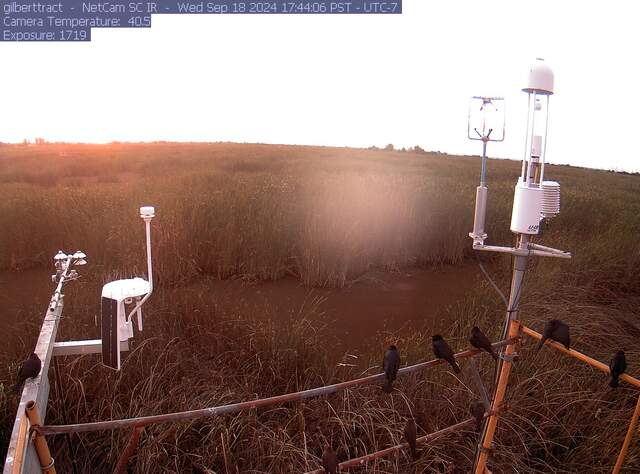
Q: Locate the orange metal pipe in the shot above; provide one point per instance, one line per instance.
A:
(121, 467)
(40, 442)
(603, 368)
(580, 356)
(363, 460)
(20, 449)
(501, 389)
(627, 439)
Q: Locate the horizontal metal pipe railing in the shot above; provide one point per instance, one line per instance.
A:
(363, 460)
(248, 405)
(579, 355)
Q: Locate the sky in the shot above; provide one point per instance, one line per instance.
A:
(351, 80)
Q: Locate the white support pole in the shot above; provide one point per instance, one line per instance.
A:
(147, 223)
(90, 346)
(147, 213)
(544, 149)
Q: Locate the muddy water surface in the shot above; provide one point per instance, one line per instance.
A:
(377, 304)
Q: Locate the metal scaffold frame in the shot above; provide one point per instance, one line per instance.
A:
(534, 201)
(24, 456)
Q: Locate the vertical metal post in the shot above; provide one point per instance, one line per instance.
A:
(483, 172)
(63, 411)
(510, 330)
(627, 439)
(40, 442)
(519, 268)
(492, 421)
(478, 380)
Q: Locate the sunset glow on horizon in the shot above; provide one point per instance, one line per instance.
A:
(336, 80)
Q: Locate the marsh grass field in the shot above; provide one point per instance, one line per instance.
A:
(327, 219)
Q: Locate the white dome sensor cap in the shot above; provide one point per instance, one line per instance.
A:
(147, 212)
(540, 79)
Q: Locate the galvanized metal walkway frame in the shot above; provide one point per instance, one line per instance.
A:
(190, 415)
(21, 455)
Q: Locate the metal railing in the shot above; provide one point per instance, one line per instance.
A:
(22, 456)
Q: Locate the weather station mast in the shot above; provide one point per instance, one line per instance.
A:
(534, 200)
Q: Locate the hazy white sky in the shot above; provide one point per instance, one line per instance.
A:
(339, 80)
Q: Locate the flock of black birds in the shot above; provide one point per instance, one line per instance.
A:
(554, 329)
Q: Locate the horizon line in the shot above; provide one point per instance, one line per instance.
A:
(353, 147)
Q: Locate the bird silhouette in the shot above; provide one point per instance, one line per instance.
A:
(556, 330)
(477, 411)
(329, 460)
(30, 368)
(410, 433)
(617, 366)
(442, 351)
(482, 342)
(390, 364)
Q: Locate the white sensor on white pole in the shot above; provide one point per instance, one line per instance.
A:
(486, 123)
(116, 324)
(147, 213)
(533, 200)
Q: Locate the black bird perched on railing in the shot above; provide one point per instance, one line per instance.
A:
(482, 342)
(410, 434)
(617, 366)
(442, 351)
(30, 368)
(556, 330)
(477, 411)
(329, 461)
(390, 364)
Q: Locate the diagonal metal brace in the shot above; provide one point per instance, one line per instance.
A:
(481, 389)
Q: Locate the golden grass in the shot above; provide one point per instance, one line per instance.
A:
(325, 216)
